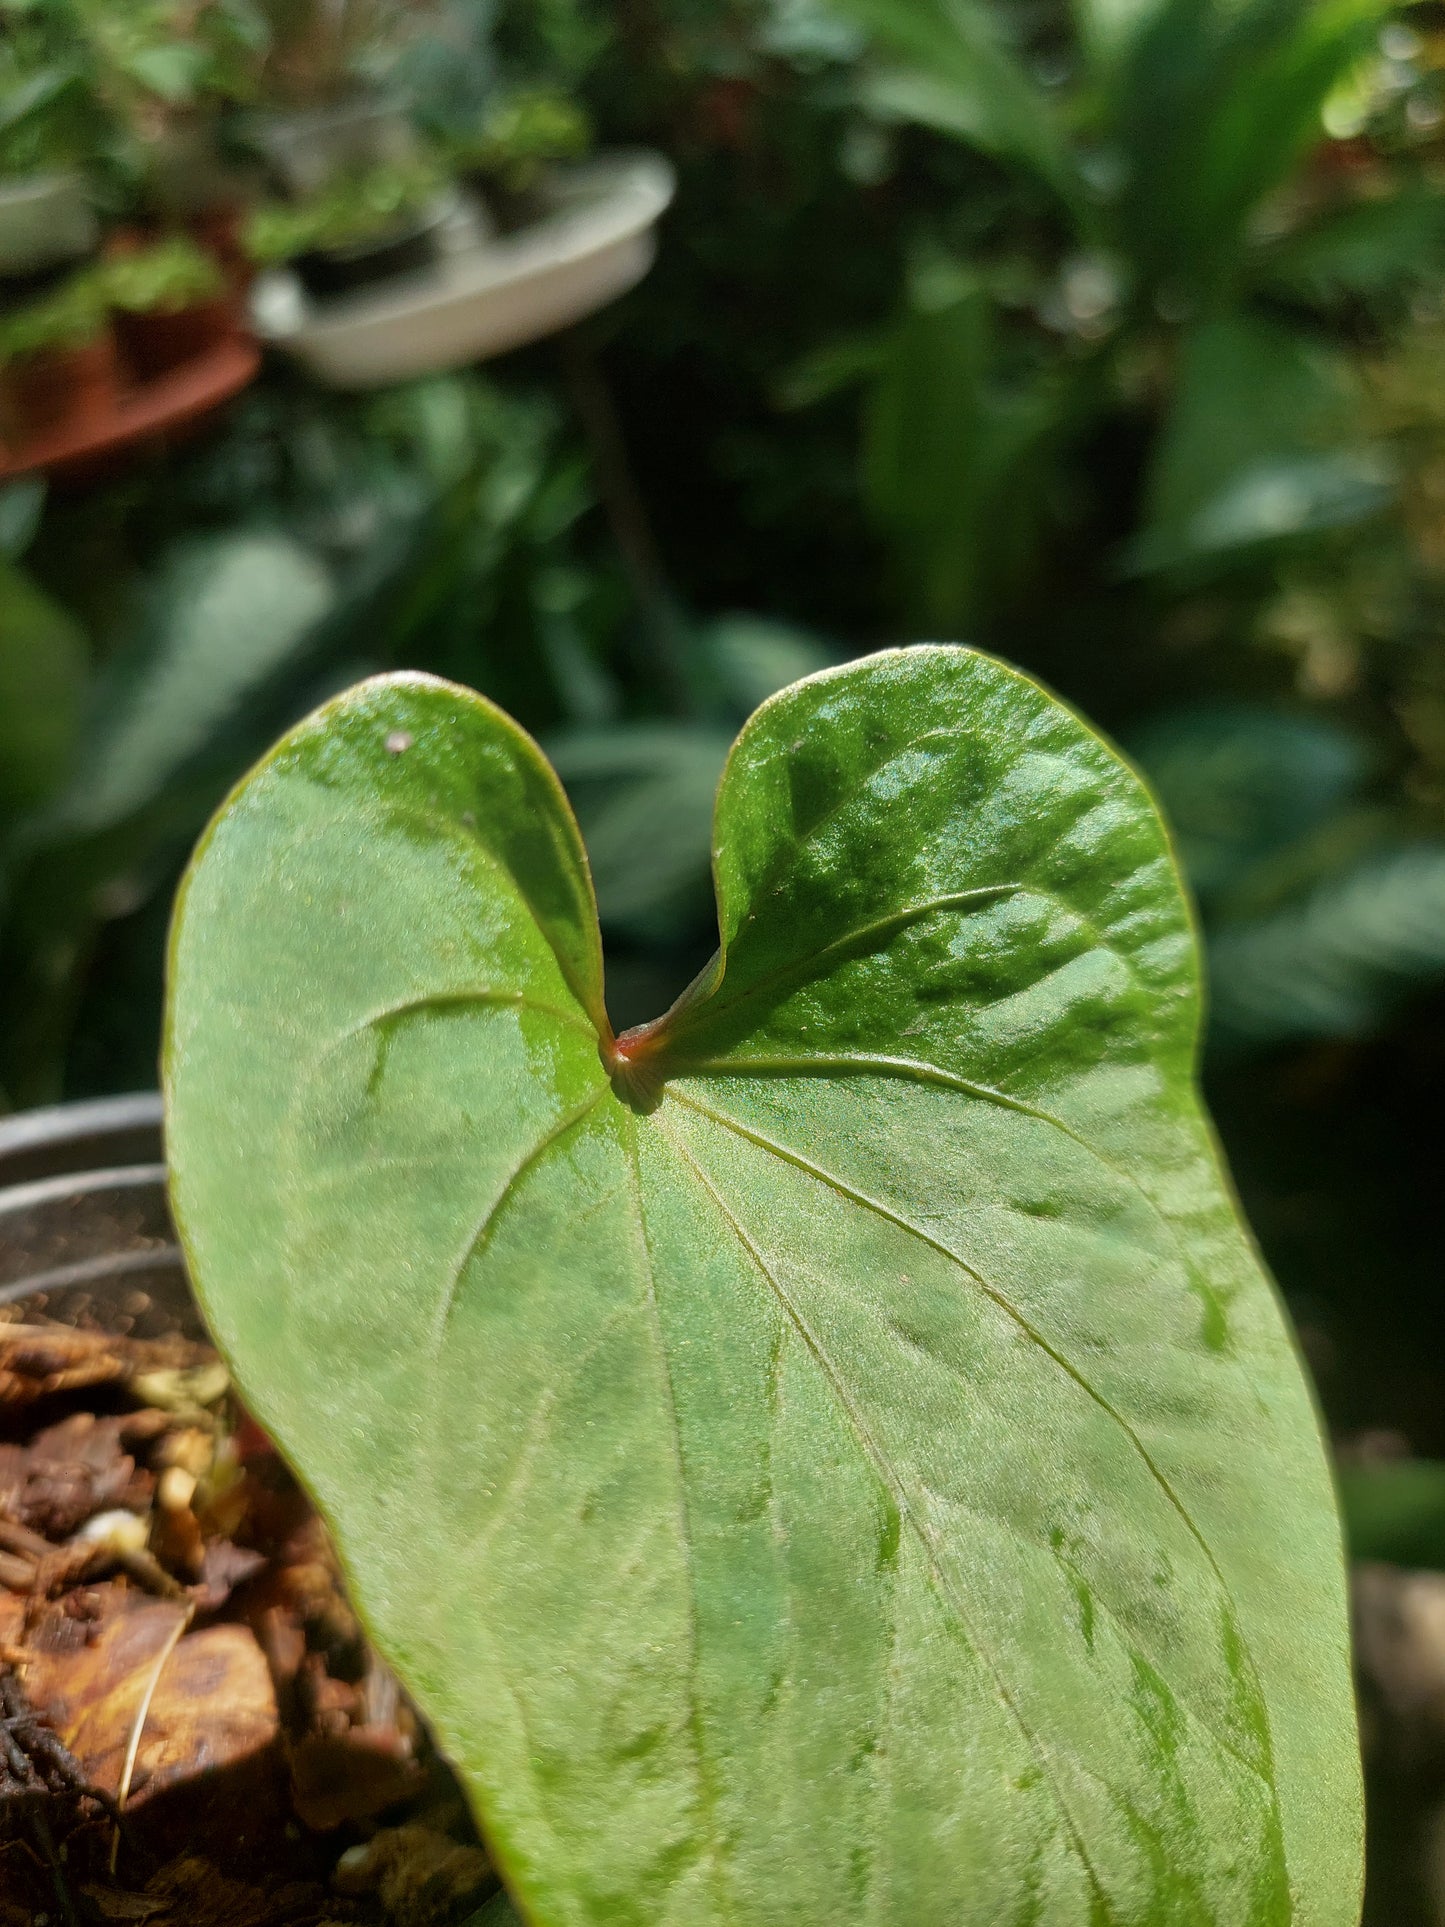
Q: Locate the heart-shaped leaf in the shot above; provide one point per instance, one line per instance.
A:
(830, 1456)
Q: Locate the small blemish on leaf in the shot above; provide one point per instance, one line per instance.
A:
(888, 1539)
(1214, 1321)
(398, 740)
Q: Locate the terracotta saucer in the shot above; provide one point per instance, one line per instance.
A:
(149, 411)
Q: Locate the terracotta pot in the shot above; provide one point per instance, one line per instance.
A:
(58, 390)
(220, 229)
(156, 342)
(127, 239)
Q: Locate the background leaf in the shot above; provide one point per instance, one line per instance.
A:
(1334, 962)
(1373, 249)
(226, 615)
(1264, 442)
(956, 455)
(44, 669)
(962, 79)
(756, 656)
(643, 795)
(1211, 109)
(21, 504)
(1240, 785)
(1395, 1510)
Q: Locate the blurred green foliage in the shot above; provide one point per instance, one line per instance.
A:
(93, 83)
(1106, 335)
(1395, 1510)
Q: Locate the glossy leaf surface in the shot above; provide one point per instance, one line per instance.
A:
(831, 1456)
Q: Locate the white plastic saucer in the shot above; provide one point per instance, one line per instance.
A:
(486, 293)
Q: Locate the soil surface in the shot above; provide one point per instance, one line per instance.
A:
(195, 1733)
(193, 1730)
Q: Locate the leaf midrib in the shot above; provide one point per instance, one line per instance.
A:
(707, 1788)
(481, 1233)
(721, 1004)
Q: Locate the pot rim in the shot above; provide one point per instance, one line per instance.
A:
(78, 1137)
(52, 1161)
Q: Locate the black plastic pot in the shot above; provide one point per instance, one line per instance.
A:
(85, 1233)
(18, 286)
(409, 250)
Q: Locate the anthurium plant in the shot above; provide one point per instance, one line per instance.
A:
(828, 1456)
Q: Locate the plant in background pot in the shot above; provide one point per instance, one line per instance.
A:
(172, 303)
(308, 149)
(362, 228)
(326, 111)
(522, 135)
(58, 368)
(500, 114)
(829, 1455)
(118, 85)
(328, 52)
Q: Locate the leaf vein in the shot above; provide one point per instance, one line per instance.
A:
(917, 1070)
(461, 998)
(481, 1234)
(519, 1477)
(475, 843)
(721, 1004)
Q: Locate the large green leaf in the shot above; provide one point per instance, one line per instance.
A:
(829, 1456)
